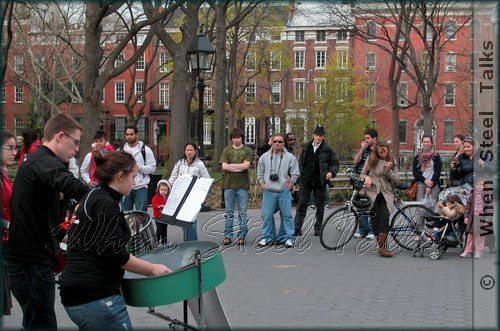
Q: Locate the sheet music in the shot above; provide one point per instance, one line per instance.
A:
(195, 199)
(179, 189)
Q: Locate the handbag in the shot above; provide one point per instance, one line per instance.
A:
(411, 191)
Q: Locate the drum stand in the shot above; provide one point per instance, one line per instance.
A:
(201, 314)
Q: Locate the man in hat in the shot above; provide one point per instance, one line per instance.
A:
(318, 164)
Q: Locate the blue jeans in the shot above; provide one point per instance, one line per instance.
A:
(106, 313)
(34, 288)
(190, 233)
(365, 225)
(241, 197)
(327, 197)
(138, 197)
(269, 201)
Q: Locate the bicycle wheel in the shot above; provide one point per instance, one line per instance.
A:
(403, 224)
(339, 228)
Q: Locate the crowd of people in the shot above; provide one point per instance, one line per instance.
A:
(111, 181)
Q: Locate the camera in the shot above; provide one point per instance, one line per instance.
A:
(274, 177)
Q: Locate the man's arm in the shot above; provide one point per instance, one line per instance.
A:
(359, 154)
(236, 167)
(150, 164)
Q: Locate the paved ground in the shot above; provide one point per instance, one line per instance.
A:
(308, 286)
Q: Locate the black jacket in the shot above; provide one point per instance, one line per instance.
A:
(328, 160)
(35, 206)
(464, 170)
(438, 165)
(97, 249)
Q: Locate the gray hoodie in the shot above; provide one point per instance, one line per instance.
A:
(289, 167)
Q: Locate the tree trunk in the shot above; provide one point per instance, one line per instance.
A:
(428, 117)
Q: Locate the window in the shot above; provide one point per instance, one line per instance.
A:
(371, 61)
(320, 59)
(18, 93)
(342, 58)
(371, 29)
(370, 94)
(249, 130)
(164, 95)
(250, 92)
(120, 60)
(342, 35)
(320, 36)
(450, 61)
(119, 91)
(207, 131)
(319, 89)
(448, 132)
(450, 30)
(139, 65)
(2, 93)
(119, 127)
(19, 124)
(208, 98)
(139, 89)
(300, 57)
(402, 132)
(19, 64)
(275, 62)
(163, 60)
(251, 61)
(449, 94)
(141, 37)
(403, 93)
(277, 125)
(341, 90)
(299, 91)
(300, 36)
(276, 92)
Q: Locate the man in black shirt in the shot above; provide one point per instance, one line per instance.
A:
(41, 183)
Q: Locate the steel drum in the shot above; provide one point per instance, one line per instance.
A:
(143, 238)
(182, 283)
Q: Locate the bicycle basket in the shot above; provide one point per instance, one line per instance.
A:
(361, 201)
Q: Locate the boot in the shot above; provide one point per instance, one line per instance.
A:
(382, 245)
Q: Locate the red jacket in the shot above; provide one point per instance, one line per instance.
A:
(158, 202)
(6, 188)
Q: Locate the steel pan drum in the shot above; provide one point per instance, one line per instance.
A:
(182, 283)
(142, 229)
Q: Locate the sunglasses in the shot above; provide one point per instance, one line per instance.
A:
(278, 141)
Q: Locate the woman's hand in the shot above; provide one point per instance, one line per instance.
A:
(368, 182)
(429, 183)
(159, 269)
(428, 189)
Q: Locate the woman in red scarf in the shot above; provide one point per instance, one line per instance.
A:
(427, 167)
(9, 151)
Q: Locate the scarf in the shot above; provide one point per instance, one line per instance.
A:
(424, 159)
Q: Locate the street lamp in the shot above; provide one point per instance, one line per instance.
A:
(201, 58)
(157, 132)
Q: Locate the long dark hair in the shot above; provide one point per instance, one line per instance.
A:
(374, 158)
(29, 136)
(184, 151)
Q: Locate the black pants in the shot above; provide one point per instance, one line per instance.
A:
(319, 201)
(380, 215)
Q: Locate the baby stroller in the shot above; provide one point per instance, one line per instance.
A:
(440, 233)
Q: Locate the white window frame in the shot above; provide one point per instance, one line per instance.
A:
(140, 64)
(208, 97)
(207, 130)
(450, 62)
(299, 59)
(119, 127)
(164, 96)
(403, 87)
(371, 30)
(275, 61)
(139, 89)
(251, 93)
(18, 125)
(251, 61)
(18, 93)
(162, 62)
(341, 92)
(342, 36)
(120, 60)
(319, 89)
(450, 29)
(447, 133)
(320, 58)
(140, 37)
(371, 61)
(342, 58)
(320, 36)
(276, 92)
(449, 95)
(19, 64)
(299, 89)
(300, 36)
(120, 91)
(249, 131)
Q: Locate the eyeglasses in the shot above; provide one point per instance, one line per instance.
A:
(76, 141)
(278, 141)
(10, 148)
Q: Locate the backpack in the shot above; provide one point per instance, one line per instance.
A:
(143, 151)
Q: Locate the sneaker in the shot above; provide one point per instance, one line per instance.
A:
(357, 235)
(263, 242)
(478, 255)
(466, 254)
(370, 236)
(289, 243)
(327, 206)
(312, 207)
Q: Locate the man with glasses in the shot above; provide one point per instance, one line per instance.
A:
(146, 163)
(41, 183)
(318, 165)
(277, 172)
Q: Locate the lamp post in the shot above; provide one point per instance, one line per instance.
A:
(201, 57)
(157, 132)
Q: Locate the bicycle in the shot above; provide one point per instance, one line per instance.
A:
(341, 225)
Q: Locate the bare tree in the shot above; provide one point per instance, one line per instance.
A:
(5, 35)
